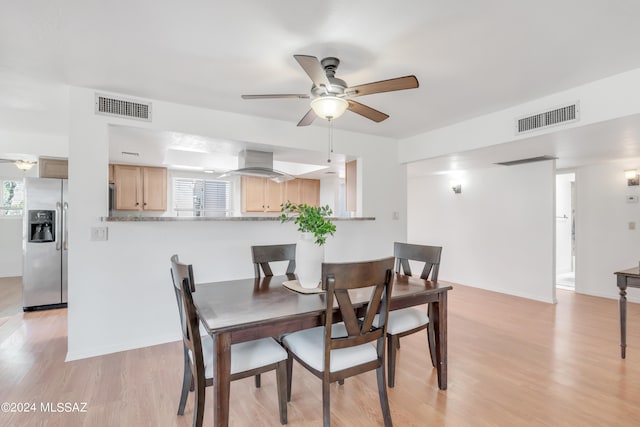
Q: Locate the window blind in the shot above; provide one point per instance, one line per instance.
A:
(199, 197)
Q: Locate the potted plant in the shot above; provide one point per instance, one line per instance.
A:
(315, 226)
(309, 219)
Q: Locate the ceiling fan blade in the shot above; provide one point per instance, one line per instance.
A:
(314, 70)
(275, 96)
(307, 119)
(368, 112)
(400, 83)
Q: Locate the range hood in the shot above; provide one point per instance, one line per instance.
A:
(257, 163)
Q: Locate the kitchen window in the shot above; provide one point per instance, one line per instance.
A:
(200, 197)
(12, 193)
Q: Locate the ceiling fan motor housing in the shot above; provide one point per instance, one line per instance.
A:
(338, 86)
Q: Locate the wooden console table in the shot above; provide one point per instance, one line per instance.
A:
(626, 278)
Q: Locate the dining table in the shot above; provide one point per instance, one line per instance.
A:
(239, 310)
(629, 278)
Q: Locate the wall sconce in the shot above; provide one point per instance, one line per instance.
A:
(456, 187)
(632, 177)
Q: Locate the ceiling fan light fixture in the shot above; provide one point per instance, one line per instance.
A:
(24, 165)
(329, 107)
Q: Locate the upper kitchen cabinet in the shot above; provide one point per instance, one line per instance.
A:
(302, 190)
(140, 188)
(53, 168)
(260, 194)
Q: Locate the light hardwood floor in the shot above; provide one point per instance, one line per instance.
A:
(10, 296)
(512, 362)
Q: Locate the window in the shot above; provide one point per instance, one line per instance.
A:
(199, 197)
(12, 193)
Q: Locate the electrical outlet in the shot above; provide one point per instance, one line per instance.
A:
(99, 234)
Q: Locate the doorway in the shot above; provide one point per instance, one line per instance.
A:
(565, 231)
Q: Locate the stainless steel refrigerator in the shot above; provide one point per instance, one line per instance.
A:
(44, 244)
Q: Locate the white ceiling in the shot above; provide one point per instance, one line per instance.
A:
(471, 57)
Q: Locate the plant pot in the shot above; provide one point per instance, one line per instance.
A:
(309, 259)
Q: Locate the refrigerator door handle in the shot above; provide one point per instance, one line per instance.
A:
(58, 213)
(65, 245)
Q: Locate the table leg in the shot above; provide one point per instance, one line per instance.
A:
(440, 325)
(221, 378)
(622, 284)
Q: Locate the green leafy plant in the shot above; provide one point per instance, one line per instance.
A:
(312, 219)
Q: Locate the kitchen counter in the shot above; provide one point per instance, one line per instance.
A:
(212, 218)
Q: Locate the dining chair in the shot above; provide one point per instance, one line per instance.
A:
(410, 320)
(336, 351)
(247, 358)
(263, 255)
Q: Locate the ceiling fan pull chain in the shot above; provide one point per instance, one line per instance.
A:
(330, 141)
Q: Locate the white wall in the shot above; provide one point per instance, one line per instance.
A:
(604, 242)
(120, 294)
(11, 228)
(599, 101)
(497, 234)
(564, 258)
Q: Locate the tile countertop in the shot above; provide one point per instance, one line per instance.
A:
(212, 218)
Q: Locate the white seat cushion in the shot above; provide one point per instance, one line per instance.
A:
(246, 355)
(404, 320)
(308, 345)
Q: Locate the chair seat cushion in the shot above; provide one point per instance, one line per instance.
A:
(246, 355)
(404, 320)
(308, 345)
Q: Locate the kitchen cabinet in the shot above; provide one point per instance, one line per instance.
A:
(265, 195)
(351, 184)
(111, 173)
(140, 188)
(302, 190)
(260, 194)
(53, 168)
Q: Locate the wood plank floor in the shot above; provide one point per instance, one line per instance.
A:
(10, 296)
(512, 362)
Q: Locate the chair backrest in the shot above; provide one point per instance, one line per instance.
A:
(430, 255)
(263, 255)
(182, 275)
(337, 279)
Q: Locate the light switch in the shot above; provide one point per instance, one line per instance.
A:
(99, 234)
(396, 215)
(632, 199)
(632, 225)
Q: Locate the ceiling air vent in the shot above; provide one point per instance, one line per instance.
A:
(565, 114)
(528, 160)
(118, 107)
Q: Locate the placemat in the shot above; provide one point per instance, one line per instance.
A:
(294, 285)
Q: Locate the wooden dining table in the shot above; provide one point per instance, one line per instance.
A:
(234, 311)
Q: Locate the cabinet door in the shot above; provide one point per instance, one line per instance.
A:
(253, 194)
(351, 185)
(111, 174)
(291, 191)
(310, 191)
(272, 196)
(154, 189)
(53, 168)
(128, 186)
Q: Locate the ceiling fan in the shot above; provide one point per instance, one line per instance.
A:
(331, 96)
(23, 165)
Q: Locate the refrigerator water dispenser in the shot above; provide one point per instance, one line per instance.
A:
(41, 227)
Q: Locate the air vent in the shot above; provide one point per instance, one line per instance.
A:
(111, 106)
(528, 160)
(566, 114)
